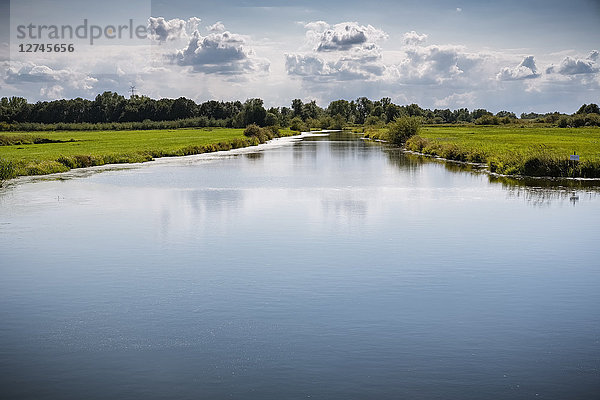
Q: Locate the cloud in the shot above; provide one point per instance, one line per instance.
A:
(52, 82)
(412, 38)
(456, 100)
(575, 66)
(52, 92)
(32, 73)
(359, 66)
(525, 70)
(343, 36)
(192, 24)
(222, 53)
(342, 52)
(436, 64)
(216, 27)
(162, 30)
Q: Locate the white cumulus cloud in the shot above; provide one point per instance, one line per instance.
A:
(343, 36)
(222, 53)
(525, 70)
(436, 64)
(412, 38)
(576, 66)
(32, 73)
(163, 30)
(340, 52)
(216, 27)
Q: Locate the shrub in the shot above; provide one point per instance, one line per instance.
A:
(563, 122)
(592, 120)
(372, 120)
(403, 128)
(298, 125)
(487, 120)
(252, 130)
(273, 129)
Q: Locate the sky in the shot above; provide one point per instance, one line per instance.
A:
(520, 56)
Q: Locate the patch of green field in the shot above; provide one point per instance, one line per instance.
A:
(505, 140)
(60, 151)
(512, 150)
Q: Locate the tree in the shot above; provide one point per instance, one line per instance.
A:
(107, 107)
(462, 115)
(14, 109)
(271, 119)
(311, 111)
(364, 107)
(588, 109)
(339, 107)
(403, 128)
(183, 108)
(296, 124)
(339, 122)
(506, 114)
(480, 112)
(254, 112)
(392, 112)
(414, 110)
(297, 108)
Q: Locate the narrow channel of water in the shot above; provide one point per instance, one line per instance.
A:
(327, 267)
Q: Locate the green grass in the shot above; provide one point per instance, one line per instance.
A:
(512, 150)
(49, 152)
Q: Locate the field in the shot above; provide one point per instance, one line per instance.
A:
(23, 153)
(512, 150)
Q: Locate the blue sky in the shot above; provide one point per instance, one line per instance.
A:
(520, 56)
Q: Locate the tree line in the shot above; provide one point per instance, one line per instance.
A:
(142, 112)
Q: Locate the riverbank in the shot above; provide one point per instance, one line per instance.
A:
(512, 150)
(25, 154)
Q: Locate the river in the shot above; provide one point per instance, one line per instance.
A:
(325, 267)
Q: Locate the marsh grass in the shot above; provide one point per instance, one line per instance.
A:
(7, 170)
(515, 151)
(62, 151)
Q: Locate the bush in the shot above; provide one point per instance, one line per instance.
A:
(487, 120)
(252, 130)
(372, 120)
(592, 120)
(298, 125)
(403, 128)
(563, 122)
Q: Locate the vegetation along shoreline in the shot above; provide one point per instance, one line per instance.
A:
(56, 136)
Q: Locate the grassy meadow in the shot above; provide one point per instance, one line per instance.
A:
(511, 149)
(38, 153)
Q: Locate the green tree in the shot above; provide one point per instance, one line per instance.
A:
(403, 128)
(254, 112)
(588, 109)
(297, 107)
(271, 119)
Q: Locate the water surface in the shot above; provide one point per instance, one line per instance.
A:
(327, 267)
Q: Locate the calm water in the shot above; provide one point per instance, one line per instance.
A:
(326, 268)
